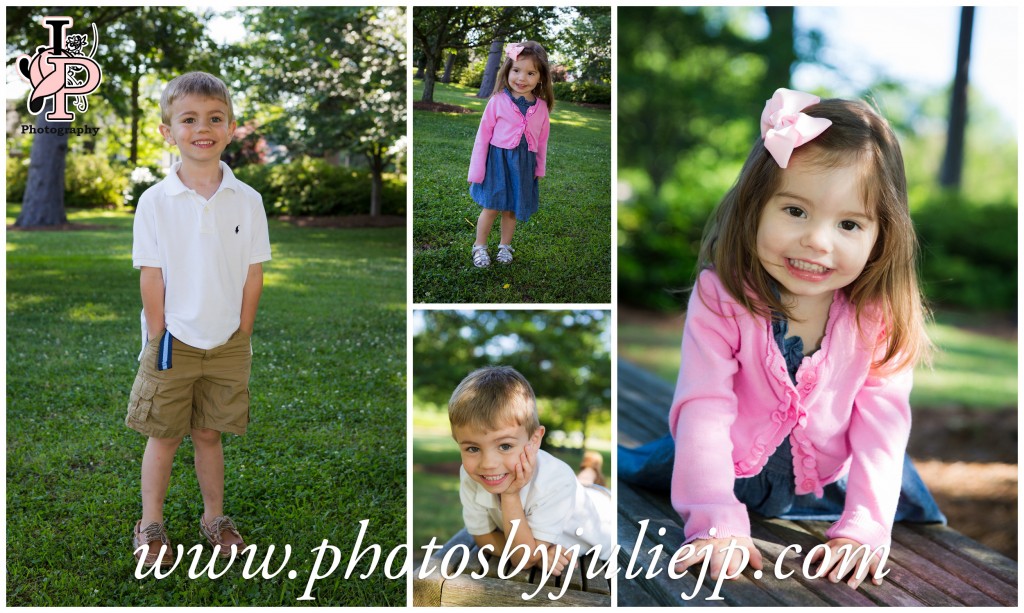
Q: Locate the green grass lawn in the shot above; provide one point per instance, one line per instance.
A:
(970, 369)
(325, 448)
(437, 510)
(563, 254)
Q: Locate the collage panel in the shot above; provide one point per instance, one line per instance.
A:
(813, 200)
(216, 151)
(512, 172)
(511, 455)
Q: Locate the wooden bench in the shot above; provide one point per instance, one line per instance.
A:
(465, 591)
(929, 565)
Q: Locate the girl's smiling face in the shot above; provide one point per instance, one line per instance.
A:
(490, 457)
(816, 232)
(523, 77)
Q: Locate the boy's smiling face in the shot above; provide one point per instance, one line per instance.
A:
(200, 127)
(490, 456)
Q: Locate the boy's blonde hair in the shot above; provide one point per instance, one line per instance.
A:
(491, 397)
(194, 84)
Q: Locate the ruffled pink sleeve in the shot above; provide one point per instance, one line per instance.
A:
(542, 143)
(478, 162)
(703, 411)
(878, 433)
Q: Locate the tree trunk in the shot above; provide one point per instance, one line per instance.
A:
(429, 77)
(421, 65)
(133, 155)
(43, 204)
(376, 160)
(779, 49)
(448, 64)
(953, 162)
(494, 58)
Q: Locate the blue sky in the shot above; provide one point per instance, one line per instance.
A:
(917, 46)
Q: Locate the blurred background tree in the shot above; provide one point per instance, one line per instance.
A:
(565, 355)
(466, 45)
(692, 82)
(319, 96)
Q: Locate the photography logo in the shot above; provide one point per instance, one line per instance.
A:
(61, 71)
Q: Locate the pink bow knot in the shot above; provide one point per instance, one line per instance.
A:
(513, 51)
(784, 127)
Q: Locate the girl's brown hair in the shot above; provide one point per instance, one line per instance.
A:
(544, 87)
(888, 284)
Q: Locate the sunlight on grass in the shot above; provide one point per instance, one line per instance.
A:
(325, 447)
(563, 254)
(89, 312)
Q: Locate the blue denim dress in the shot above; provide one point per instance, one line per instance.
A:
(510, 182)
(772, 492)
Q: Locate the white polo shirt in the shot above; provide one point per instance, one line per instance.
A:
(204, 249)
(555, 503)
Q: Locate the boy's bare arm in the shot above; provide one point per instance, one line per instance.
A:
(251, 292)
(151, 284)
(495, 539)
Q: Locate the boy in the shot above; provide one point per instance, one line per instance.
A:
(199, 240)
(505, 476)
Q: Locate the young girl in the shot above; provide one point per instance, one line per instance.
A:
(800, 339)
(511, 147)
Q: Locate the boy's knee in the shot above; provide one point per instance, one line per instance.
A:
(205, 436)
(170, 443)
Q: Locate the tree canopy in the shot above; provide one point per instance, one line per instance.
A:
(565, 355)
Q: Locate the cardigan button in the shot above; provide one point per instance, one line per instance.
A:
(808, 485)
(809, 462)
(810, 377)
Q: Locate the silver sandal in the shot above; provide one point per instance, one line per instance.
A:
(505, 254)
(480, 257)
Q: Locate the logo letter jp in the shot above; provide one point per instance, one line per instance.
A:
(56, 72)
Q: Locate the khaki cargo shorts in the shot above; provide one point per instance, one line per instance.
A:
(204, 388)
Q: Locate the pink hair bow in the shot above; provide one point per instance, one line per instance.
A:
(785, 128)
(513, 51)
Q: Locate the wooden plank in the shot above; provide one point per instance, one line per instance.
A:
(933, 584)
(905, 571)
(631, 594)
(427, 592)
(745, 590)
(999, 565)
(887, 594)
(660, 588)
(834, 594)
(464, 591)
(971, 572)
(598, 583)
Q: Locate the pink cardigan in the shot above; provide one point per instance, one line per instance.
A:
(735, 404)
(502, 125)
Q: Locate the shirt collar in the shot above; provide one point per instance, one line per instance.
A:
(175, 186)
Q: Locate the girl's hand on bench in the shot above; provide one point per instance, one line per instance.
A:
(723, 552)
(849, 559)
